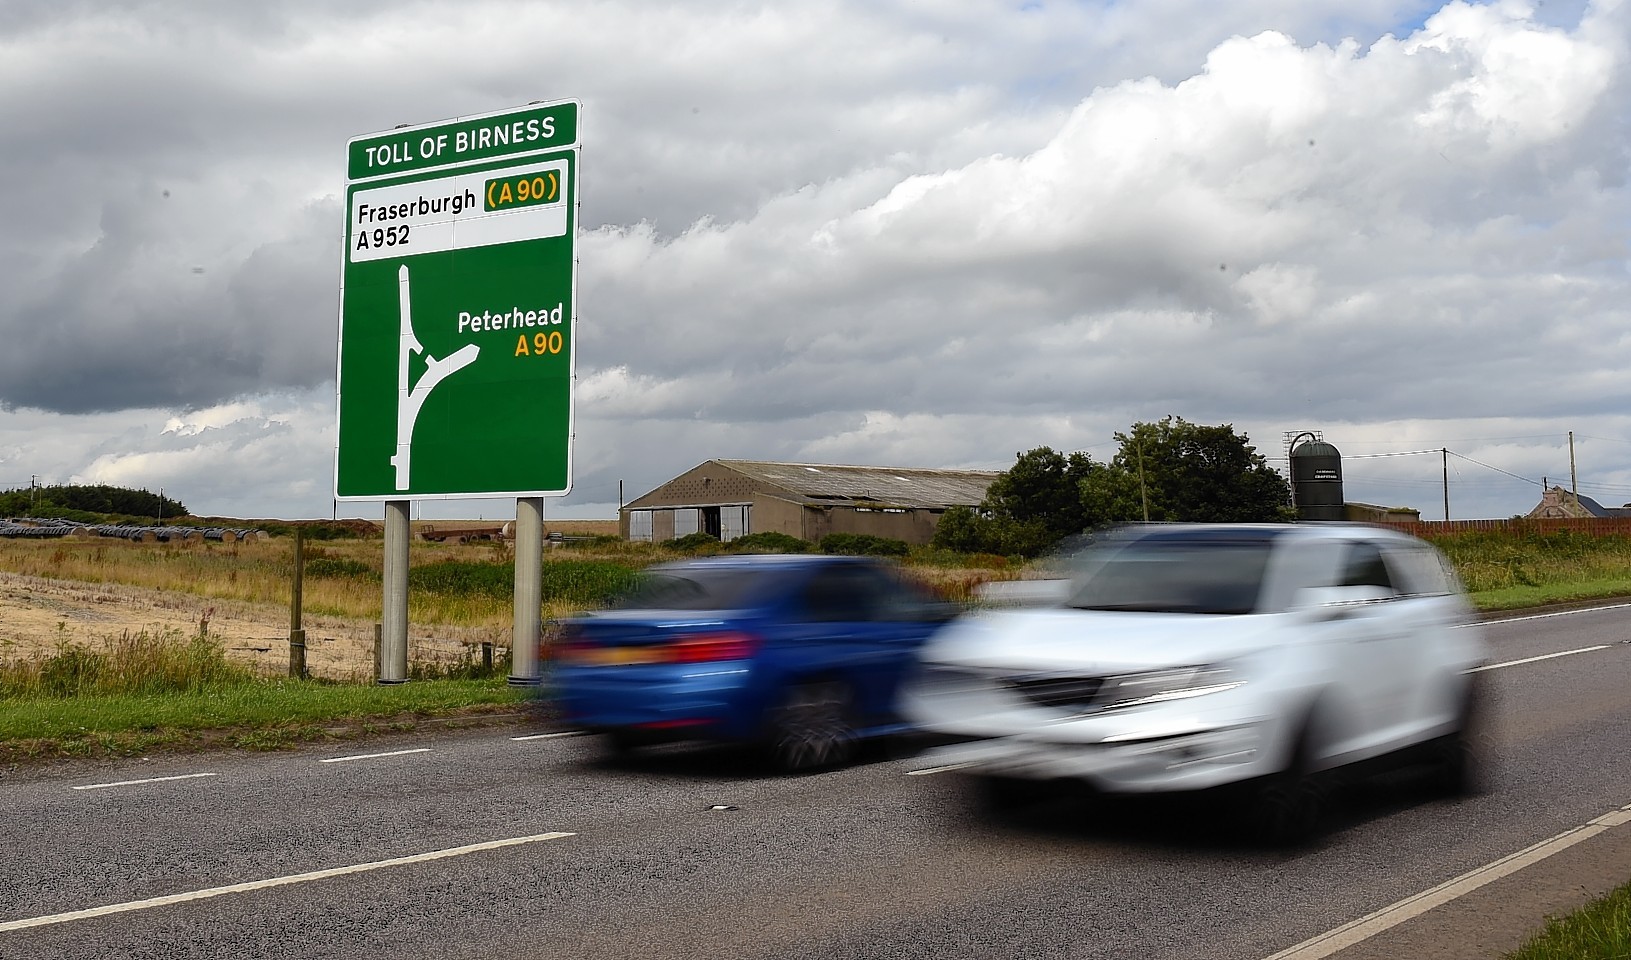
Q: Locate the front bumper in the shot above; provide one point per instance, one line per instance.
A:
(1125, 763)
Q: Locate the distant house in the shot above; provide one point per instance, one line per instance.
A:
(730, 498)
(1558, 503)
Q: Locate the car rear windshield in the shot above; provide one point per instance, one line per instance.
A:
(694, 589)
(1171, 575)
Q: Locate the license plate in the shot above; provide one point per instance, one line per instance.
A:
(620, 656)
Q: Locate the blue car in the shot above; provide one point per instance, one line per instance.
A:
(801, 656)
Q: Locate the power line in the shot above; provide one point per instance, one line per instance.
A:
(1492, 467)
(1377, 456)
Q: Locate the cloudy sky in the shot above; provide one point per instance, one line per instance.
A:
(851, 231)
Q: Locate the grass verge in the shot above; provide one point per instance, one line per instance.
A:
(1597, 931)
(264, 714)
(147, 690)
(1517, 598)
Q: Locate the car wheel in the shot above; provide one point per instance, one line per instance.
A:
(1286, 809)
(619, 744)
(1458, 758)
(810, 728)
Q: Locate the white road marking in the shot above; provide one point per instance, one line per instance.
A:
(371, 756)
(1349, 934)
(550, 736)
(1559, 613)
(1547, 656)
(929, 771)
(131, 783)
(252, 885)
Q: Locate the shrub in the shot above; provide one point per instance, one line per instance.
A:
(694, 543)
(70, 671)
(337, 567)
(586, 582)
(769, 542)
(864, 544)
(139, 664)
(566, 581)
(599, 541)
(495, 580)
(962, 530)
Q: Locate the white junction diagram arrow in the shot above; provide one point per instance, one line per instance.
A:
(409, 401)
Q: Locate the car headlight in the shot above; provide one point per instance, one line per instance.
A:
(1159, 686)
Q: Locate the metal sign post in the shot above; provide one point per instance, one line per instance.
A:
(458, 322)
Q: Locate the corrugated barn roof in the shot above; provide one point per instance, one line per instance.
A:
(884, 486)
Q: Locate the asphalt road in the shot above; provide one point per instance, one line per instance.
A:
(687, 853)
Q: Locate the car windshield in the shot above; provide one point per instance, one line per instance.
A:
(693, 589)
(1171, 575)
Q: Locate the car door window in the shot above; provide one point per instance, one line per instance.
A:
(842, 595)
(1419, 569)
(1364, 567)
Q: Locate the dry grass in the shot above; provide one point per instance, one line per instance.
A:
(342, 577)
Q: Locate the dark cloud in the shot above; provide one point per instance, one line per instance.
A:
(852, 231)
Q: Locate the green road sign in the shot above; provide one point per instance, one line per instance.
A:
(458, 308)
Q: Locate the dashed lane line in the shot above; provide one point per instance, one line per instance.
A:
(550, 736)
(132, 783)
(149, 904)
(1544, 656)
(374, 756)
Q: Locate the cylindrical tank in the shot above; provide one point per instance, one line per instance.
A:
(1316, 481)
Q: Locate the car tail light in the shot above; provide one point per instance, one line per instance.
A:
(711, 648)
(577, 649)
(570, 647)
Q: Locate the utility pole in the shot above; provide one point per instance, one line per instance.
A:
(161, 507)
(1444, 457)
(1574, 481)
(33, 482)
(1143, 492)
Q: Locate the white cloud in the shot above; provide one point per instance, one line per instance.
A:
(848, 231)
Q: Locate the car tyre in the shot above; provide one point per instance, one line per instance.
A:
(1458, 759)
(811, 728)
(1287, 809)
(618, 745)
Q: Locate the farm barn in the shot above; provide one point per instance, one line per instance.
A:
(729, 498)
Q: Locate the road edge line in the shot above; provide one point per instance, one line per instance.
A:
(1340, 938)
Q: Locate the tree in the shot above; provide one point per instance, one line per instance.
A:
(1177, 470)
(1043, 489)
(962, 529)
(1029, 507)
(93, 499)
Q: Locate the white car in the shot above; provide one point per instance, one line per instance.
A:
(1191, 657)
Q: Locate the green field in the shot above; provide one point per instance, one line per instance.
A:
(148, 689)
